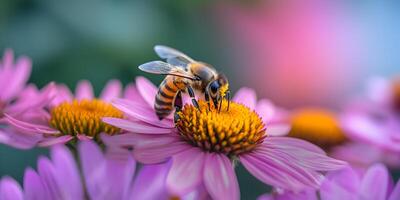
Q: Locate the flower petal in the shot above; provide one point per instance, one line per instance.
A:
(84, 90)
(396, 192)
(27, 127)
(135, 127)
(154, 149)
(19, 140)
(186, 171)
(341, 184)
(19, 78)
(375, 183)
(47, 174)
(289, 163)
(112, 90)
(67, 173)
(33, 186)
(54, 140)
(147, 89)
(150, 182)
(10, 189)
(220, 178)
(278, 129)
(246, 96)
(142, 113)
(266, 110)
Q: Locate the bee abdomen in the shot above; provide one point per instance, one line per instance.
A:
(164, 103)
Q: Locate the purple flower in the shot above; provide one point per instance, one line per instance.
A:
(67, 117)
(13, 78)
(205, 154)
(105, 176)
(16, 99)
(374, 184)
(374, 118)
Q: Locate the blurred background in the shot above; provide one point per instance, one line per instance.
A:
(295, 53)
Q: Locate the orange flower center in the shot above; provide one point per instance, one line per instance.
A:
(84, 117)
(317, 126)
(232, 131)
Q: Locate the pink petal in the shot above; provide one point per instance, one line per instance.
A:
(147, 89)
(306, 154)
(279, 172)
(19, 78)
(64, 94)
(247, 97)
(10, 189)
(220, 178)
(157, 149)
(112, 90)
(33, 186)
(375, 183)
(67, 173)
(186, 171)
(83, 137)
(379, 90)
(84, 90)
(132, 93)
(150, 182)
(19, 140)
(47, 174)
(8, 59)
(27, 127)
(142, 113)
(341, 184)
(55, 140)
(396, 192)
(278, 129)
(135, 127)
(266, 110)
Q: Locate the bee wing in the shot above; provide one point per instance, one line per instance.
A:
(159, 67)
(172, 54)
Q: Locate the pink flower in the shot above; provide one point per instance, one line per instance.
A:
(207, 157)
(374, 119)
(13, 78)
(374, 184)
(104, 176)
(67, 117)
(16, 98)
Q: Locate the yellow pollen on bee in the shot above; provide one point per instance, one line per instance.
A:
(232, 131)
(317, 126)
(84, 117)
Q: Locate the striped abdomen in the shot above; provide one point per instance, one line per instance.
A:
(165, 98)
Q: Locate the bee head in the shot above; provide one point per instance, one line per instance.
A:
(219, 89)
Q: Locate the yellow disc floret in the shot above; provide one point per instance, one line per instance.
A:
(230, 131)
(317, 126)
(84, 117)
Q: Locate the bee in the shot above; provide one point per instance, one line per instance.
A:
(183, 74)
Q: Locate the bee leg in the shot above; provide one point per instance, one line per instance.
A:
(191, 94)
(178, 105)
(228, 97)
(207, 97)
(220, 104)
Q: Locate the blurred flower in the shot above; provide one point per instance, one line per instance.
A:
(375, 184)
(17, 98)
(69, 117)
(318, 126)
(206, 143)
(13, 79)
(324, 128)
(374, 119)
(105, 176)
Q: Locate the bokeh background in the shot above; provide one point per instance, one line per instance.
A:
(294, 52)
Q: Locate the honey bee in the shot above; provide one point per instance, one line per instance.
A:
(184, 75)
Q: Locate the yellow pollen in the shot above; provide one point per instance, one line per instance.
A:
(317, 126)
(232, 131)
(84, 117)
